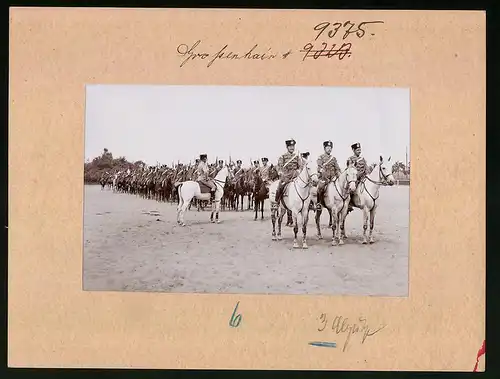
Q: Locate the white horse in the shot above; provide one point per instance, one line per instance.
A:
(337, 196)
(296, 198)
(191, 189)
(366, 195)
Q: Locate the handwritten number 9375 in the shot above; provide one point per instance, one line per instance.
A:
(332, 29)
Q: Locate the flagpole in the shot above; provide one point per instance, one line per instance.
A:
(406, 158)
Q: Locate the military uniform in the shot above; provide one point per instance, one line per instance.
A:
(264, 171)
(203, 175)
(255, 168)
(238, 170)
(288, 166)
(328, 169)
(218, 168)
(360, 163)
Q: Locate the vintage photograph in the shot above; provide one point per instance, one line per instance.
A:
(247, 189)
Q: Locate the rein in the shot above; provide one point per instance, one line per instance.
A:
(220, 183)
(307, 184)
(380, 183)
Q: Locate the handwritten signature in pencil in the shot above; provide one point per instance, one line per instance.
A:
(341, 325)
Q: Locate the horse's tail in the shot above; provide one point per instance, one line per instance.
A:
(178, 186)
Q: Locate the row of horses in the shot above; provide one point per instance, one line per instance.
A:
(297, 198)
(159, 186)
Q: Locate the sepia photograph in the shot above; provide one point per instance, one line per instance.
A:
(247, 189)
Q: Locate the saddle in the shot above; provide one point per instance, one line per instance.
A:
(204, 187)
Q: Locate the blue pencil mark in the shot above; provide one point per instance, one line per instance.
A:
(323, 344)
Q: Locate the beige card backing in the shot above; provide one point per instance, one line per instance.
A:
(54, 53)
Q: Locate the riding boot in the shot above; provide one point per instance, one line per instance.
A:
(321, 188)
(212, 195)
(278, 192)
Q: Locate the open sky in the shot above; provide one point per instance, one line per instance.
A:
(161, 123)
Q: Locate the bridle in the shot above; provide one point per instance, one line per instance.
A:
(382, 183)
(307, 183)
(346, 187)
(380, 174)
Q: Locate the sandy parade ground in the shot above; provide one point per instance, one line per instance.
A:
(135, 244)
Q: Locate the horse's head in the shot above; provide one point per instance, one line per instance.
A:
(351, 176)
(385, 176)
(312, 172)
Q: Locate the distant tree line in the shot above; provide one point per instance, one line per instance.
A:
(105, 164)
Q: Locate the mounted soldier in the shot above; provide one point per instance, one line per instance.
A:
(360, 164)
(264, 171)
(179, 176)
(203, 177)
(256, 167)
(238, 170)
(328, 169)
(289, 166)
(220, 165)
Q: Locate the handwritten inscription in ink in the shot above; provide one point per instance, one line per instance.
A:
(256, 52)
(343, 326)
(235, 319)
(331, 32)
(329, 40)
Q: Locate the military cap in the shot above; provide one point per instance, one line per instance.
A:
(265, 159)
(356, 145)
(328, 143)
(305, 155)
(203, 156)
(238, 161)
(255, 162)
(290, 142)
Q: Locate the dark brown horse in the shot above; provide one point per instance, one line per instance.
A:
(260, 194)
(240, 189)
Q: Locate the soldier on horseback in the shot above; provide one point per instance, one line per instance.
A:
(360, 164)
(289, 166)
(238, 170)
(219, 167)
(180, 171)
(328, 169)
(264, 171)
(203, 176)
(255, 167)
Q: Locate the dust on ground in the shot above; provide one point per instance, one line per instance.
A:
(134, 244)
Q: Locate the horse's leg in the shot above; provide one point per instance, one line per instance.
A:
(183, 209)
(305, 219)
(179, 206)
(274, 209)
(372, 221)
(212, 213)
(366, 215)
(256, 210)
(282, 212)
(217, 209)
(334, 221)
(262, 209)
(296, 228)
(319, 210)
(341, 223)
